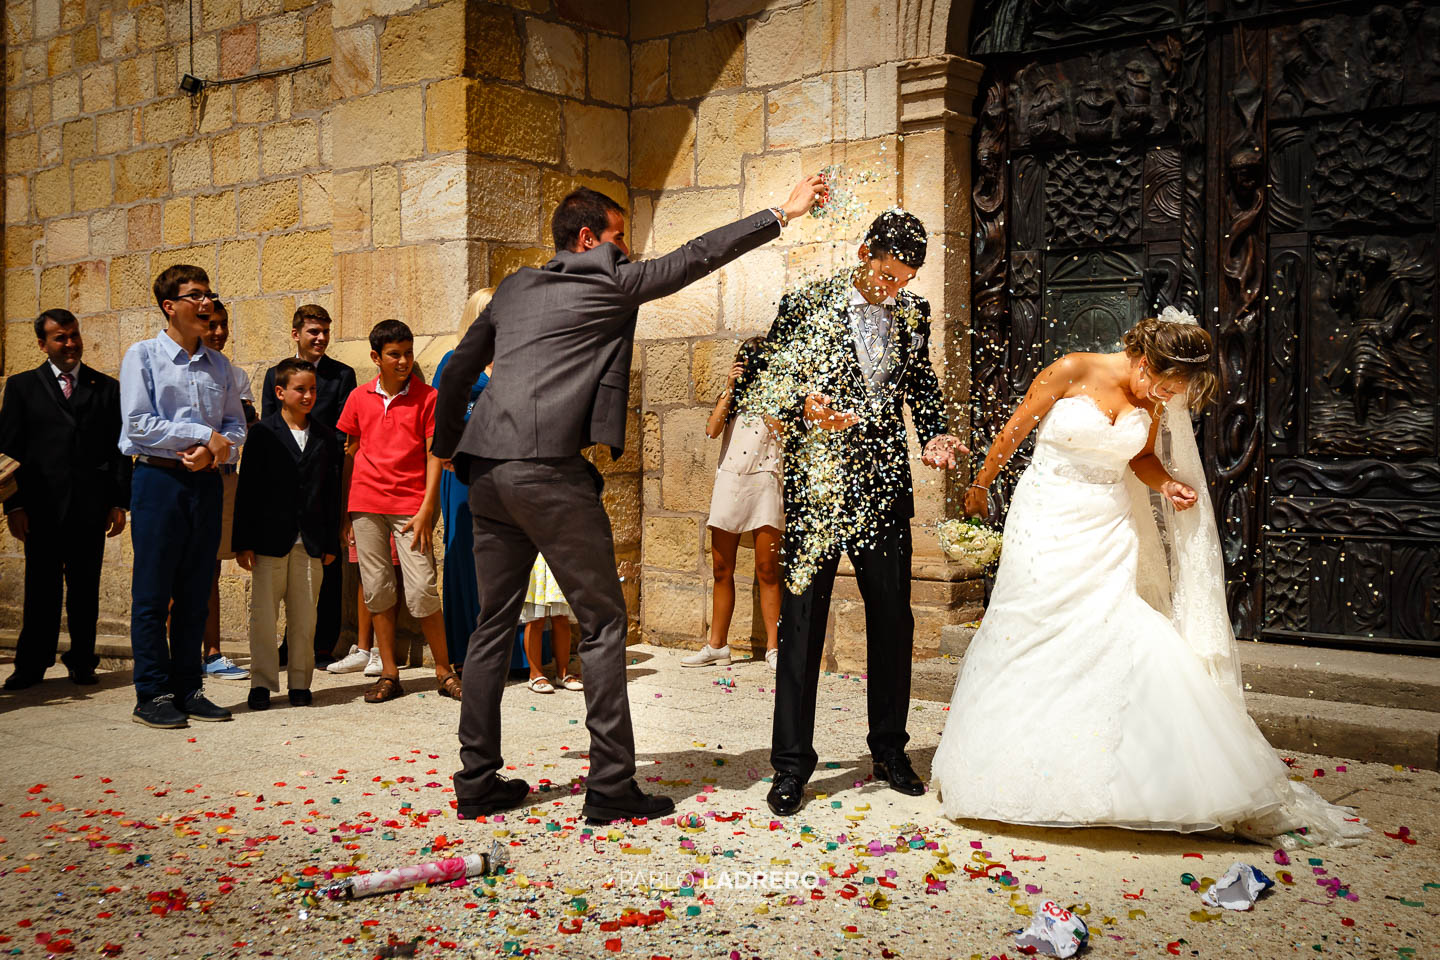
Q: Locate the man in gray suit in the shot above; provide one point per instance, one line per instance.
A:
(560, 338)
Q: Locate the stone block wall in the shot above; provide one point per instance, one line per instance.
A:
(419, 163)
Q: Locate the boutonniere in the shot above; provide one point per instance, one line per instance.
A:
(906, 310)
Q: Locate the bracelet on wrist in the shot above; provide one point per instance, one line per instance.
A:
(781, 215)
(980, 486)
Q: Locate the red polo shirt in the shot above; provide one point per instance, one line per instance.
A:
(389, 474)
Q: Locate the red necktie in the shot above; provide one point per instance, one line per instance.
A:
(66, 384)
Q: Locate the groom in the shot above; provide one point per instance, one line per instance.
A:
(847, 354)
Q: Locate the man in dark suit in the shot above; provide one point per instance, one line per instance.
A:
(846, 355)
(60, 421)
(310, 330)
(560, 338)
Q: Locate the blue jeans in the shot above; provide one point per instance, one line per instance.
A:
(175, 533)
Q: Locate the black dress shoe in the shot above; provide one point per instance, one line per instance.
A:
(160, 713)
(299, 698)
(259, 698)
(630, 803)
(896, 771)
(84, 678)
(506, 795)
(197, 706)
(22, 681)
(787, 794)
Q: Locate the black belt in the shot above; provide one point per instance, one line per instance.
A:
(166, 463)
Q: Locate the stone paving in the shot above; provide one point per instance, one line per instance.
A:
(117, 840)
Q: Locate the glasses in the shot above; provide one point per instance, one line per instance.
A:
(197, 297)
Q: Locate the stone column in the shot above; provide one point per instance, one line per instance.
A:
(936, 100)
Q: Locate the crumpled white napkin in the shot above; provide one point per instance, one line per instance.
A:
(1238, 889)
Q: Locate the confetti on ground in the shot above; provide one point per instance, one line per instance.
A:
(223, 843)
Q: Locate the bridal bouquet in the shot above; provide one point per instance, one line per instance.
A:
(970, 539)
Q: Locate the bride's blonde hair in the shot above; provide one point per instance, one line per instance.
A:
(1182, 350)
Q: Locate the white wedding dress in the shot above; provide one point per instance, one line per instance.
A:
(1081, 703)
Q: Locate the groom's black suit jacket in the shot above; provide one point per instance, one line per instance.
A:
(811, 349)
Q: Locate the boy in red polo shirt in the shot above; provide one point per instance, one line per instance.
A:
(391, 486)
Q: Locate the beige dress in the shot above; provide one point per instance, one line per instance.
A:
(748, 492)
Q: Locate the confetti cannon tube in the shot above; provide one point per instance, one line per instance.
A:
(399, 878)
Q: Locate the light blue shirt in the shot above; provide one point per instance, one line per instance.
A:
(171, 400)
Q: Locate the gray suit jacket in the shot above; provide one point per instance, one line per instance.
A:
(561, 338)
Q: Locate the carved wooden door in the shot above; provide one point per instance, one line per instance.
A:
(1273, 170)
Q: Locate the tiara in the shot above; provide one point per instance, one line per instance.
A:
(1173, 314)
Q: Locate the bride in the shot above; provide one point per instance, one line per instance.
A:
(1103, 687)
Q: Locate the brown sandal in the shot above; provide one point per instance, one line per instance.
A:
(450, 685)
(386, 688)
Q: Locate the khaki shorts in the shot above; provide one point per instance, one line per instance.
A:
(377, 574)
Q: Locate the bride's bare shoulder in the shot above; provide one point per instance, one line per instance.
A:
(1071, 367)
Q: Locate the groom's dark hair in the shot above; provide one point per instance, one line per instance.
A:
(581, 208)
(899, 234)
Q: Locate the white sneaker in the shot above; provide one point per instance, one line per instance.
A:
(374, 668)
(352, 662)
(772, 657)
(707, 655)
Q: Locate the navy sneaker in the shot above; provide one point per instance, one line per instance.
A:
(160, 713)
(197, 706)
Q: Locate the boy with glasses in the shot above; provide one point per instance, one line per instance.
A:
(181, 417)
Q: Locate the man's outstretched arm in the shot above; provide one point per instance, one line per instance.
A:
(652, 279)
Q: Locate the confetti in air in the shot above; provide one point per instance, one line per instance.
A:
(839, 203)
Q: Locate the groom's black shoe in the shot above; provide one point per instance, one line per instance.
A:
(895, 770)
(629, 804)
(786, 795)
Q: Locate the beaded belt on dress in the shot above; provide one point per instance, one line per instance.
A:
(1074, 470)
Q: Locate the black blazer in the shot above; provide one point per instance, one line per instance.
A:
(68, 449)
(333, 382)
(284, 493)
(561, 339)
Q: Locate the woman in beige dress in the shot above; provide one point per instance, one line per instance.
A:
(747, 500)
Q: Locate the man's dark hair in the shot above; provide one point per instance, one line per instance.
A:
(899, 234)
(581, 208)
(168, 284)
(388, 331)
(290, 366)
(310, 311)
(61, 318)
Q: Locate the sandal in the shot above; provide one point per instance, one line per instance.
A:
(450, 685)
(386, 688)
(540, 685)
(572, 682)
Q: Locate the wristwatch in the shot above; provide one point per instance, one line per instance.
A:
(780, 215)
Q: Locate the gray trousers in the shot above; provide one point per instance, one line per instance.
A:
(551, 506)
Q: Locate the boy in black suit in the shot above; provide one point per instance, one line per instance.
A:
(334, 381)
(60, 421)
(286, 529)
